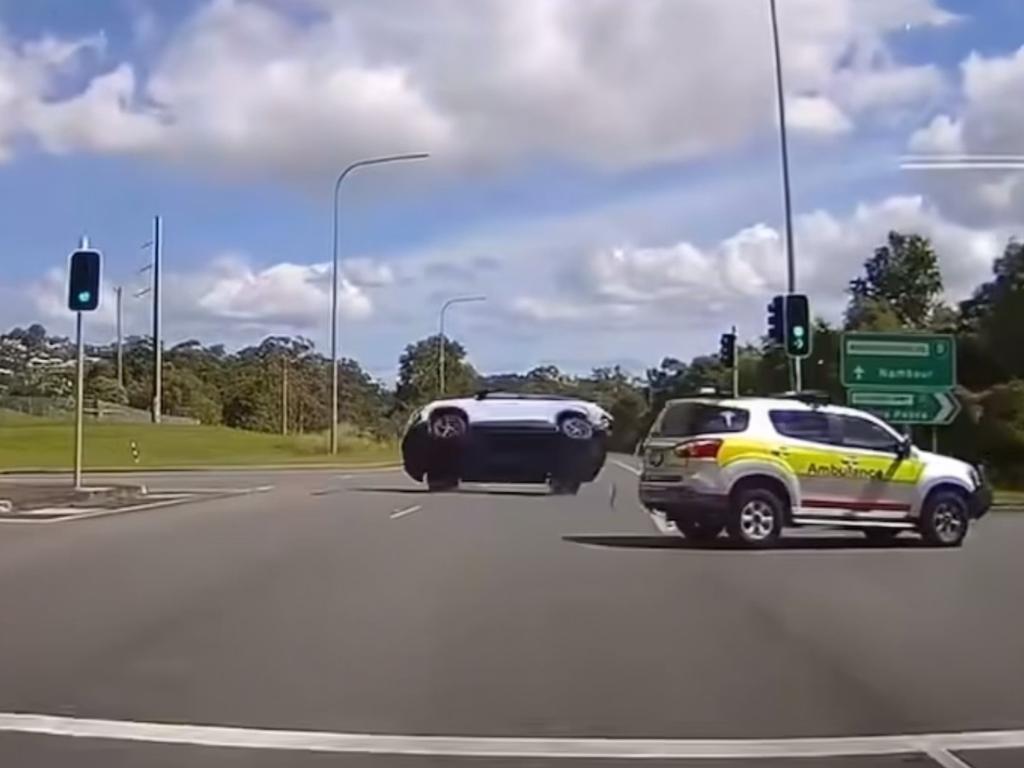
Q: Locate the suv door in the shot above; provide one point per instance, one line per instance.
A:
(884, 482)
(809, 447)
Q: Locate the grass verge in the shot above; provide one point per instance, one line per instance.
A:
(49, 445)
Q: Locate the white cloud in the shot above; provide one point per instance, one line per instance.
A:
(264, 87)
(942, 136)
(817, 115)
(683, 282)
(989, 121)
(229, 298)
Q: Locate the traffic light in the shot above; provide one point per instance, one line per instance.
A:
(84, 281)
(776, 320)
(798, 326)
(727, 350)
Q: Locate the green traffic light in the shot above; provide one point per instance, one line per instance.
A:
(798, 331)
(84, 296)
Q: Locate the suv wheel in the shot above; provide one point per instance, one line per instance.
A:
(448, 426)
(944, 519)
(756, 517)
(576, 427)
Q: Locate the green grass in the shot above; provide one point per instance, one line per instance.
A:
(35, 443)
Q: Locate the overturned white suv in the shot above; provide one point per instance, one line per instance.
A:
(498, 437)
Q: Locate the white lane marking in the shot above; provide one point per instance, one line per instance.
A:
(626, 467)
(946, 759)
(405, 511)
(496, 746)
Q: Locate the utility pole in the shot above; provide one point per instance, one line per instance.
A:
(157, 340)
(786, 194)
(118, 292)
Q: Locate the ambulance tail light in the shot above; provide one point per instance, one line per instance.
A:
(698, 449)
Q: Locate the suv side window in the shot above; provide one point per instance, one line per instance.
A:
(861, 433)
(803, 425)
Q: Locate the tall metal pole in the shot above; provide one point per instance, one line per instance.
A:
(441, 337)
(334, 280)
(735, 364)
(79, 397)
(440, 352)
(83, 244)
(786, 194)
(157, 340)
(119, 292)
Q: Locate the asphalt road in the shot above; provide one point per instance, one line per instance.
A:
(355, 603)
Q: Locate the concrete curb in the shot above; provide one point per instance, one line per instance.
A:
(134, 469)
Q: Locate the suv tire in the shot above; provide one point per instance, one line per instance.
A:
(755, 517)
(944, 519)
(448, 426)
(576, 427)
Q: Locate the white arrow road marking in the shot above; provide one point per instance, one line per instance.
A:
(405, 511)
(937, 744)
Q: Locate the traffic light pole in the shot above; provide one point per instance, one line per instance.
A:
(786, 194)
(79, 386)
(735, 366)
(79, 396)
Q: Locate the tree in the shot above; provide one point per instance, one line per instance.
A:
(901, 282)
(418, 371)
(995, 314)
(105, 388)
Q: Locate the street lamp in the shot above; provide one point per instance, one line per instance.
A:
(334, 280)
(441, 339)
(784, 148)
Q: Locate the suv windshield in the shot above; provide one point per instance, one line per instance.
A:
(688, 419)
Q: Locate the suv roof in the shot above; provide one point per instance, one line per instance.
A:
(769, 403)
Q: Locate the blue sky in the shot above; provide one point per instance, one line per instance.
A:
(606, 173)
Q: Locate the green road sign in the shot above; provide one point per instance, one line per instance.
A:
(907, 406)
(898, 360)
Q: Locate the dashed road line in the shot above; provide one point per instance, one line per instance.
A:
(511, 747)
(399, 513)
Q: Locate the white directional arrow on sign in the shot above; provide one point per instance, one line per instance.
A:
(949, 407)
(858, 373)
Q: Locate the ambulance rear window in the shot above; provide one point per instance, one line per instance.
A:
(689, 419)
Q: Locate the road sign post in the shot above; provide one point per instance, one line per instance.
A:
(905, 378)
